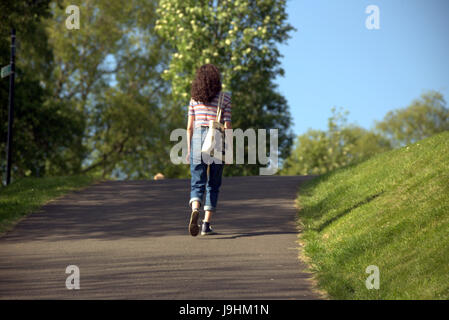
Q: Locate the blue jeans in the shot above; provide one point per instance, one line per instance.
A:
(200, 183)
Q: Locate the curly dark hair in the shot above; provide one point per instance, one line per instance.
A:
(207, 83)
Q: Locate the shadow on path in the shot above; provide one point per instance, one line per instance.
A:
(130, 241)
(133, 209)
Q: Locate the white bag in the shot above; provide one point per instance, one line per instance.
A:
(213, 134)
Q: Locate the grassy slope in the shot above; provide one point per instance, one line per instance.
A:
(26, 195)
(391, 211)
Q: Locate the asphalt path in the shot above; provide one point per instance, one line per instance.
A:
(130, 240)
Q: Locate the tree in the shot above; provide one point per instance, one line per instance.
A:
(42, 128)
(423, 118)
(318, 152)
(240, 37)
(110, 70)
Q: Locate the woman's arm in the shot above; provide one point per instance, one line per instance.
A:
(190, 123)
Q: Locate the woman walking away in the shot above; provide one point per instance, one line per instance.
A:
(206, 91)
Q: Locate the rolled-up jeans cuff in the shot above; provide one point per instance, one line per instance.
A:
(194, 199)
(210, 208)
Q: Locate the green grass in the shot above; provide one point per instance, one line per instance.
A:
(391, 211)
(28, 194)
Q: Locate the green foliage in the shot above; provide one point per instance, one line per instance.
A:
(22, 15)
(240, 37)
(423, 118)
(110, 70)
(235, 35)
(391, 211)
(43, 129)
(318, 152)
(103, 99)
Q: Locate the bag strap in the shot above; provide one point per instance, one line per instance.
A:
(219, 107)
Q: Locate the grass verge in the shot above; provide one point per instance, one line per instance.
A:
(28, 194)
(391, 211)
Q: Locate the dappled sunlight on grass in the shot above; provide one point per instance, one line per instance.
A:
(28, 194)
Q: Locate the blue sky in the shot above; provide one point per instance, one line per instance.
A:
(334, 60)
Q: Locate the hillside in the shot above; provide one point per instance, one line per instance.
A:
(391, 211)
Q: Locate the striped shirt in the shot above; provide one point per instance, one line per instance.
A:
(204, 112)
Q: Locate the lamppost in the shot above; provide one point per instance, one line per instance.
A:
(9, 70)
